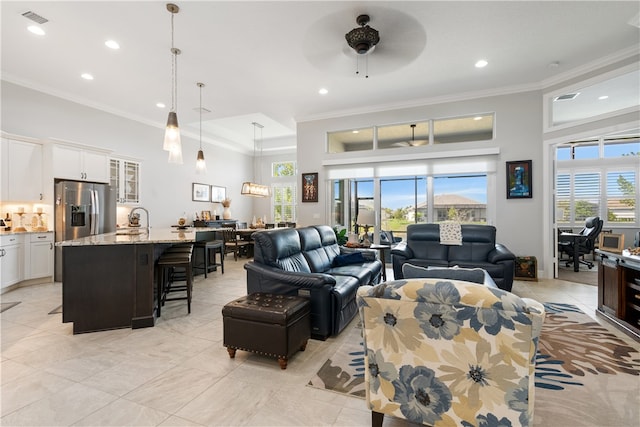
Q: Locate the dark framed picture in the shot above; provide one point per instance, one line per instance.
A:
(519, 180)
(200, 192)
(310, 187)
(218, 194)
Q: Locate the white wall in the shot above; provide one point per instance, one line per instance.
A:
(165, 188)
(518, 136)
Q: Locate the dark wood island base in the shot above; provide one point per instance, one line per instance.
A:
(108, 279)
(109, 286)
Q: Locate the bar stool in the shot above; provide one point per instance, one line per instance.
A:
(209, 246)
(175, 257)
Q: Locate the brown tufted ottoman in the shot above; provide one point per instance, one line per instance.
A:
(268, 324)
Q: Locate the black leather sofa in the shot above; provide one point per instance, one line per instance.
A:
(302, 261)
(478, 250)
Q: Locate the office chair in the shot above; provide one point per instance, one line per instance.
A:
(584, 244)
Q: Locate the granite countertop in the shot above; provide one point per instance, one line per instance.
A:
(139, 236)
(7, 233)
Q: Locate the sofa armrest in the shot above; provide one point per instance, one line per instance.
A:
(500, 253)
(293, 278)
(402, 250)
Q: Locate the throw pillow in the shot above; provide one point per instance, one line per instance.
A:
(474, 275)
(368, 254)
(450, 233)
(353, 258)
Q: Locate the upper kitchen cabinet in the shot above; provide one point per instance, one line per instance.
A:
(21, 161)
(80, 163)
(125, 178)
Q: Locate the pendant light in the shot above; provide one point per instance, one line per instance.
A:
(252, 188)
(201, 166)
(172, 132)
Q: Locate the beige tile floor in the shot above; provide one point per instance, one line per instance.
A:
(177, 373)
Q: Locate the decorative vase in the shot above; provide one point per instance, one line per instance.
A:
(226, 213)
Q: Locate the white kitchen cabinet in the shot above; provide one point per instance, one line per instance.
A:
(125, 178)
(21, 169)
(39, 256)
(11, 259)
(79, 163)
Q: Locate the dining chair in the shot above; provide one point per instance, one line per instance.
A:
(232, 243)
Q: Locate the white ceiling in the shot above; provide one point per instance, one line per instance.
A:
(265, 61)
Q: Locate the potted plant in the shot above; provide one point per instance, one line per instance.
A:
(341, 235)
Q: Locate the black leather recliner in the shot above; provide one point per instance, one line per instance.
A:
(299, 261)
(478, 250)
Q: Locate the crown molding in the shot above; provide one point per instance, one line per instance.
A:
(507, 90)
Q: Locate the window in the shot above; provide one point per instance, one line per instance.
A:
(350, 140)
(284, 203)
(477, 127)
(460, 198)
(403, 201)
(621, 197)
(407, 200)
(283, 169)
(463, 129)
(622, 148)
(598, 178)
(406, 135)
(586, 195)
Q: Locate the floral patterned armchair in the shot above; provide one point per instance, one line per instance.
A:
(449, 353)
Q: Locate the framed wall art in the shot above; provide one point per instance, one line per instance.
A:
(310, 187)
(519, 181)
(218, 194)
(200, 192)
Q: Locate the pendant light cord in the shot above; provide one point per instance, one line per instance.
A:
(200, 84)
(254, 150)
(174, 69)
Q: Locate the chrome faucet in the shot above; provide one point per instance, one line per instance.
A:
(141, 208)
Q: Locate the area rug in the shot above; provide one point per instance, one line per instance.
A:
(585, 374)
(4, 306)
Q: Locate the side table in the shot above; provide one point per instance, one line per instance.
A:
(381, 249)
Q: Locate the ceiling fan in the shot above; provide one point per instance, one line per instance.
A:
(413, 142)
(337, 44)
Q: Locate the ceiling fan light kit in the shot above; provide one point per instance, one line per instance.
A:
(363, 40)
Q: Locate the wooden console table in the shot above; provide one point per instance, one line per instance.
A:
(619, 290)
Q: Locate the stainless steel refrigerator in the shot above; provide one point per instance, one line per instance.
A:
(82, 209)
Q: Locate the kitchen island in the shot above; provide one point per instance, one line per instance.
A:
(108, 279)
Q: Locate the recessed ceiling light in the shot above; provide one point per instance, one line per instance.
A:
(477, 118)
(36, 30)
(481, 63)
(603, 97)
(112, 44)
(323, 91)
(160, 105)
(355, 131)
(86, 76)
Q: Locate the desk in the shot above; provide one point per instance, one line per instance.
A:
(380, 249)
(574, 239)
